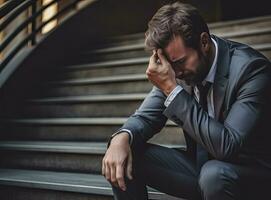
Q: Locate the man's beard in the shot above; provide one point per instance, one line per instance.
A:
(201, 72)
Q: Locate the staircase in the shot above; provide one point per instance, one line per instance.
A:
(53, 143)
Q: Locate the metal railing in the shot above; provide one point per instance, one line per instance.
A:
(11, 9)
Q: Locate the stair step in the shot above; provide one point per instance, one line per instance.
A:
(71, 121)
(265, 49)
(105, 64)
(241, 24)
(97, 148)
(90, 98)
(56, 156)
(88, 184)
(249, 37)
(216, 28)
(82, 106)
(53, 146)
(52, 155)
(102, 80)
(141, 46)
(99, 69)
(122, 66)
(78, 129)
(119, 84)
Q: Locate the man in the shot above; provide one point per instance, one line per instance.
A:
(218, 91)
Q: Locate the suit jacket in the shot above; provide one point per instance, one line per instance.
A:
(240, 131)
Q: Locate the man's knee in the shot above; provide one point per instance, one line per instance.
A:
(216, 178)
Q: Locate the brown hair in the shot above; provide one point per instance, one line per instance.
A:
(175, 19)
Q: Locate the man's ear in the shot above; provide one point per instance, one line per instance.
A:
(205, 43)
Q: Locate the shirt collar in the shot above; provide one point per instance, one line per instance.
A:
(211, 75)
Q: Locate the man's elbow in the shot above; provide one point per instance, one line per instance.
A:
(228, 151)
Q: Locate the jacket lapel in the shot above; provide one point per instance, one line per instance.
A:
(221, 76)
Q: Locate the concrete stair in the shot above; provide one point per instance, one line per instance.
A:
(59, 185)
(84, 157)
(52, 144)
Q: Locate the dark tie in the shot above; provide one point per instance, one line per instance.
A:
(202, 154)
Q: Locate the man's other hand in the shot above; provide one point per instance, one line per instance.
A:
(117, 161)
(160, 72)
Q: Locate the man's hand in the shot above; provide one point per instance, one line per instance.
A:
(118, 161)
(161, 73)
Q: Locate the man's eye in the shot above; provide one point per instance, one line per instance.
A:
(180, 62)
(177, 64)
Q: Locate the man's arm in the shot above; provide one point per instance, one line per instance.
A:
(142, 125)
(148, 119)
(224, 140)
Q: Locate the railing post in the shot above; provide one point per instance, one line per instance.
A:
(33, 25)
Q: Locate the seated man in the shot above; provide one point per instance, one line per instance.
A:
(218, 91)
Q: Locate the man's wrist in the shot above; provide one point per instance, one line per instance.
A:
(170, 89)
(120, 138)
(172, 95)
(121, 131)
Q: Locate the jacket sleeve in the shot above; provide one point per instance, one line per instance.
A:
(223, 140)
(148, 119)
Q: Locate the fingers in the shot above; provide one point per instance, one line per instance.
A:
(113, 175)
(107, 172)
(158, 58)
(103, 167)
(113, 171)
(153, 58)
(161, 56)
(129, 167)
(120, 177)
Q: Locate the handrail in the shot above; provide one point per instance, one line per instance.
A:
(14, 8)
(15, 12)
(8, 6)
(29, 37)
(24, 25)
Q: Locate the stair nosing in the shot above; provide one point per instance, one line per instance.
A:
(210, 25)
(245, 33)
(89, 98)
(71, 121)
(31, 182)
(62, 181)
(123, 62)
(115, 49)
(113, 63)
(240, 21)
(264, 46)
(141, 45)
(95, 148)
(97, 80)
(53, 146)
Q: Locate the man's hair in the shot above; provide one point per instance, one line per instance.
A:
(175, 19)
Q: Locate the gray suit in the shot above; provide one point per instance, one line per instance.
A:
(240, 134)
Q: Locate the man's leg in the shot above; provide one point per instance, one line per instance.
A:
(227, 181)
(165, 169)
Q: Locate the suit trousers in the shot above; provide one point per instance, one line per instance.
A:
(173, 172)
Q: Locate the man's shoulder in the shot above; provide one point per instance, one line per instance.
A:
(243, 56)
(238, 51)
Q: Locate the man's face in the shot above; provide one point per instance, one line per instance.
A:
(189, 64)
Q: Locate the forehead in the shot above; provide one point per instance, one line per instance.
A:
(176, 49)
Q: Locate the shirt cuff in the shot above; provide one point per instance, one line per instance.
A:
(125, 131)
(172, 95)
